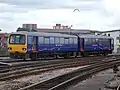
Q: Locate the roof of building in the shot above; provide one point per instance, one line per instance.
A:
(110, 31)
(4, 33)
(64, 30)
(93, 36)
(44, 34)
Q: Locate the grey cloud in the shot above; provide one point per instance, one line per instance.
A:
(6, 17)
(48, 4)
(22, 6)
(23, 2)
(106, 13)
(84, 7)
(26, 3)
(13, 9)
(8, 24)
(88, 0)
(115, 23)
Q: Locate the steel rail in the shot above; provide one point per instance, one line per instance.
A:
(118, 88)
(60, 82)
(37, 68)
(29, 64)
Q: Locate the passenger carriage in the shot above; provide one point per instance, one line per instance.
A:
(39, 44)
(96, 44)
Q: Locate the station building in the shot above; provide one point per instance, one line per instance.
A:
(116, 35)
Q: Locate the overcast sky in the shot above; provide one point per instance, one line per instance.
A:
(94, 14)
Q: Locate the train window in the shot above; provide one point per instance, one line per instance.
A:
(93, 41)
(12, 39)
(97, 40)
(104, 41)
(90, 41)
(86, 41)
(66, 41)
(75, 41)
(17, 39)
(46, 40)
(57, 40)
(107, 42)
(41, 40)
(71, 41)
(61, 40)
(22, 39)
(52, 40)
(29, 40)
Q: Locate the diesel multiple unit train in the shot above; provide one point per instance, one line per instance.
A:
(3, 44)
(38, 44)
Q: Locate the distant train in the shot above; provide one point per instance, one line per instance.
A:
(3, 39)
(38, 45)
(3, 44)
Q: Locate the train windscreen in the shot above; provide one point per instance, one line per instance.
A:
(17, 39)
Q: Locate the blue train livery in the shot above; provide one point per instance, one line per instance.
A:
(96, 44)
(38, 45)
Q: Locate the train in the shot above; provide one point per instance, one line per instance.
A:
(35, 45)
(3, 44)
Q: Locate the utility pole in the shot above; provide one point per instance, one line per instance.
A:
(70, 29)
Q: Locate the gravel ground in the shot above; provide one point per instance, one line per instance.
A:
(27, 80)
(98, 81)
(4, 58)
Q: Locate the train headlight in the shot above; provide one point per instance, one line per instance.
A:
(9, 48)
(24, 49)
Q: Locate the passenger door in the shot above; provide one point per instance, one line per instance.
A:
(34, 44)
(81, 46)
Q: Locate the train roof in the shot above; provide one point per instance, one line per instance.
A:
(94, 36)
(44, 34)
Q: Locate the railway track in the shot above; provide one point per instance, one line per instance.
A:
(12, 65)
(29, 69)
(7, 66)
(37, 67)
(64, 81)
(9, 60)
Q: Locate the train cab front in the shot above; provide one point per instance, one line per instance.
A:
(17, 45)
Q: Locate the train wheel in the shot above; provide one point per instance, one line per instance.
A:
(12, 55)
(67, 55)
(105, 53)
(56, 56)
(82, 54)
(24, 57)
(33, 56)
(75, 54)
